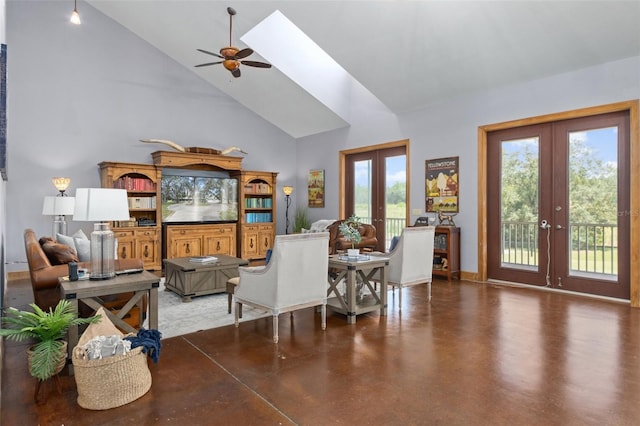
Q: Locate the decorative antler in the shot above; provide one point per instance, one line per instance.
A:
(231, 149)
(165, 142)
(197, 150)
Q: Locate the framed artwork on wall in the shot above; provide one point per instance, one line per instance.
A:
(315, 187)
(442, 185)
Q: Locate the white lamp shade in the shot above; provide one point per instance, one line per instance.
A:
(101, 204)
(58, 206)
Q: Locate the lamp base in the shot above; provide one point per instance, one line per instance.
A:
(102, 252)
(59, 226)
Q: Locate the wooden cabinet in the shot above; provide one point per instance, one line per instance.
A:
(139, 244)
(257, 239)
(138, 237)
(200, 240)
(257, 213)
(446, 252)
(143, 236)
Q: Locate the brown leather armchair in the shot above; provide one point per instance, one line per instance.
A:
(44, 280)
(337, 241)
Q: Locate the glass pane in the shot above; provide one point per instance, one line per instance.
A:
(363, 190)
(593, 201)
(519, 203)
(395, 197)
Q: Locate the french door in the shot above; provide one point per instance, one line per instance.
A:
(376, 190)
(558, 205)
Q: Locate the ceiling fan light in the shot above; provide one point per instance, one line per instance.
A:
(231, 64)
(229, 51)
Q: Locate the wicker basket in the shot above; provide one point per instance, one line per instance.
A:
(113, 381)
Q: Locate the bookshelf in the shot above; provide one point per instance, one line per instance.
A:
(257, 207)
(138, 237)
(446, 251)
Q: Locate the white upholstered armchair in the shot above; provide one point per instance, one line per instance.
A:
(411, 260)
(294, 278)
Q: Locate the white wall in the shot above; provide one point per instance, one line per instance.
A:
(450, 129)
(79, 95)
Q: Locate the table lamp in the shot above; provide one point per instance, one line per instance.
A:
(102, 205)
(58, 207)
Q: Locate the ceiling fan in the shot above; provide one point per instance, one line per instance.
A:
(232, 56)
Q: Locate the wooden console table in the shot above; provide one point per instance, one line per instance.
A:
(189, 279)
(89, 292)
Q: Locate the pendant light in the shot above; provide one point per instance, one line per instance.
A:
(75, 16)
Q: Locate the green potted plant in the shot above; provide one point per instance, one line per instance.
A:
(300, 220)
(349, 229)
(47, 356)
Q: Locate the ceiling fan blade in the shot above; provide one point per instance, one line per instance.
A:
(256, 64)
(207, 64)
(236, 73)
(243, 53)
(210, 53)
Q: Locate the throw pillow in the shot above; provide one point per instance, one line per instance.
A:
(66, 240)
(394, 242)
(80, 234)
(83, 248)
(58, 254)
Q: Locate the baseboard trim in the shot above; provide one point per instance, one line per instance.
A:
(18, 275)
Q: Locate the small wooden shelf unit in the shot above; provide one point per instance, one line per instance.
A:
(446, 246)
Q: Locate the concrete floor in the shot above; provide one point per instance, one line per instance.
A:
(476, 355)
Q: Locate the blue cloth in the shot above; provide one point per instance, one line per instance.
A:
(268, 256)
(150, 342)
(394, 243)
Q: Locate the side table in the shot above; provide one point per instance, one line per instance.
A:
(89, 292)
(365, 269)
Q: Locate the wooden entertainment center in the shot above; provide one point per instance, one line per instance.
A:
(145, 237)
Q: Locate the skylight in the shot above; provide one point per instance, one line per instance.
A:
(284, 45)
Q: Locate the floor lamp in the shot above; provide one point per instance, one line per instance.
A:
(58, 207)
(101, 205)
(287, 193)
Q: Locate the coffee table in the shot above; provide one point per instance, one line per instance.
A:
(189, 279)
(365, 269)
(89, 292)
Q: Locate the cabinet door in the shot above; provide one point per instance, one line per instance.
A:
(186, 246)
(126, 248)
(125, 243)
(265, 239)
(250, 242)
(218, 244)
(148, 248)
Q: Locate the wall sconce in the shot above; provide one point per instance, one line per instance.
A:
(75, 16)
(288, 190)
(103, 205)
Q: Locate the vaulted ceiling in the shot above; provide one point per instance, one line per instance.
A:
(408, 54)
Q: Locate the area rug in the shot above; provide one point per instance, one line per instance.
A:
(176, 317)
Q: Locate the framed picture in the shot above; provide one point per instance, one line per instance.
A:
(441, 185)
(315, 187)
